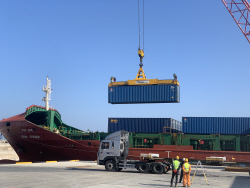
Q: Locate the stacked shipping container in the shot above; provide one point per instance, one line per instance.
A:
(144, 125)
(189, 125)
(216, 125)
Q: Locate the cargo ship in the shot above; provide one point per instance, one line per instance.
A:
(39, 134)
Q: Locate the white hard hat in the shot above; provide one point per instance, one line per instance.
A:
(183, 159)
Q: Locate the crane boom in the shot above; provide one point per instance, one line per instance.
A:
(240, 11)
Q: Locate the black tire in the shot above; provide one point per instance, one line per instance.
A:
(143, 168)
(157, 168)
(119, 169)
(110, 165)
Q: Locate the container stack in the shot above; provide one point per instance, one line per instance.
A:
(144, 125)
(216, 125)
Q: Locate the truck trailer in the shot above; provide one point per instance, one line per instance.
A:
(113, 153)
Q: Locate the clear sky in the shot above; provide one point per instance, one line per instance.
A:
(80, 44)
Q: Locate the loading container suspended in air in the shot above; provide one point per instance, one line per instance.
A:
(216, 125)
(143, 125)
(147, 91)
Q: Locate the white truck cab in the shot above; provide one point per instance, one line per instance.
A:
(114, 150)
(113, 147)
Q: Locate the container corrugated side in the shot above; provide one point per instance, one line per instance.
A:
(144, 94)
(175, 126)
(139, 125)
(216, 125)
(181, 129)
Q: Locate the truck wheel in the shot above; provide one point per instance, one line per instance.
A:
(110, 165)
(143, 167)
(157, 168)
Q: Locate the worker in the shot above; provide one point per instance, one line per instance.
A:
(175, 76)
(186, 173)
(182, 163)
(175, 171)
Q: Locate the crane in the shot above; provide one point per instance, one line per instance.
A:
(141, 89)
(141, 75)
(240, 11)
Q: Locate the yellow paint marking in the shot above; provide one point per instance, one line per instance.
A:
(51, 161)
(23, 162)
(73, 160)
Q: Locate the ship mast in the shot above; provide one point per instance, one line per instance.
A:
(47, 90)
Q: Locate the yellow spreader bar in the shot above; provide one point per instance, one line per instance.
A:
(144, 82)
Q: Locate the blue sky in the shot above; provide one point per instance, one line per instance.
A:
(81, 44)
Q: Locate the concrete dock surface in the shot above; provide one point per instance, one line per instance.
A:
(90, 175)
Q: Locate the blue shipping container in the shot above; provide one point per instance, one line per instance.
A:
(144, 94)
(142, 125)
(216, 125)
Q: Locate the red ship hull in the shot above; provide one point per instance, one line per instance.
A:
(33, 143)
(171, 151)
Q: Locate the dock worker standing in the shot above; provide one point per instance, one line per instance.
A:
(175, 171)
(182, 163)
(186, 173)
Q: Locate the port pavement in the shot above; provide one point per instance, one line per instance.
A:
(90, 175)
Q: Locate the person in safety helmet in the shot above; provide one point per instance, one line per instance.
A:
(186, 173)
(175, 171)
(182, 163)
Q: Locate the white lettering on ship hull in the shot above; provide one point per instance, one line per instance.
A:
(29, 130)
(34, 136)
(30, 136)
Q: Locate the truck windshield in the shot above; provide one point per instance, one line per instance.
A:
(105, 145)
